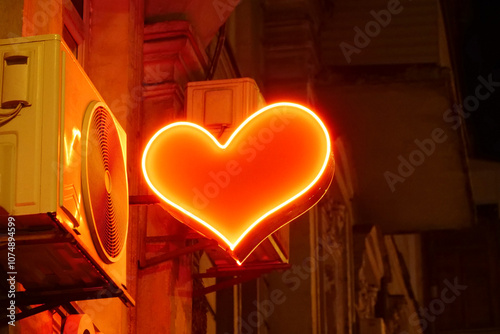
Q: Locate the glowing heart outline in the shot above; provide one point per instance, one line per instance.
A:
(327, 162)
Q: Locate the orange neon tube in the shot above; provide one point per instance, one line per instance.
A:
(275, 166)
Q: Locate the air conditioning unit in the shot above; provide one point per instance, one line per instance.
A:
(221, 106)
(63, 176)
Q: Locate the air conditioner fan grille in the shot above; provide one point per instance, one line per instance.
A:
(107, 185)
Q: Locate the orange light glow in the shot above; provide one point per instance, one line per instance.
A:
(275, 166)
(69, 149)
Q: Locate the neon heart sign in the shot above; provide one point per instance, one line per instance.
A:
(275, 166)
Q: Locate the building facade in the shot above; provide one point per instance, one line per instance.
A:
(405, 240)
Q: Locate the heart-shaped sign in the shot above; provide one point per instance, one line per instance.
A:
(275, 166)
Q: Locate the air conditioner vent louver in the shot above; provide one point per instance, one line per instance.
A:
(105, 183)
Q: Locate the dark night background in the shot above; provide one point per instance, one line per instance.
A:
(473, 26)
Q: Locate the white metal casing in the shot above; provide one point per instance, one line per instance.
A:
(41, 150)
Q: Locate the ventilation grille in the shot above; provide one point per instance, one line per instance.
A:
(105, 178)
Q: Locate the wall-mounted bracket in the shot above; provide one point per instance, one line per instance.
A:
(236, 275)
(25, 299)
(231, 273)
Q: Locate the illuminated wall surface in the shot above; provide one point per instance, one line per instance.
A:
(275, 166)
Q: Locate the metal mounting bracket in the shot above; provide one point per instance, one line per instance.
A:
(25, 299)
(236, 275)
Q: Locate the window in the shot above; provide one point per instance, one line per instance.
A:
(75, 26)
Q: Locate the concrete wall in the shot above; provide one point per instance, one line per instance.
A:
(11, 23)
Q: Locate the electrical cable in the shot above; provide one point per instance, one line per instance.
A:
(9, 116)
(223, 127)
(217, 53)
